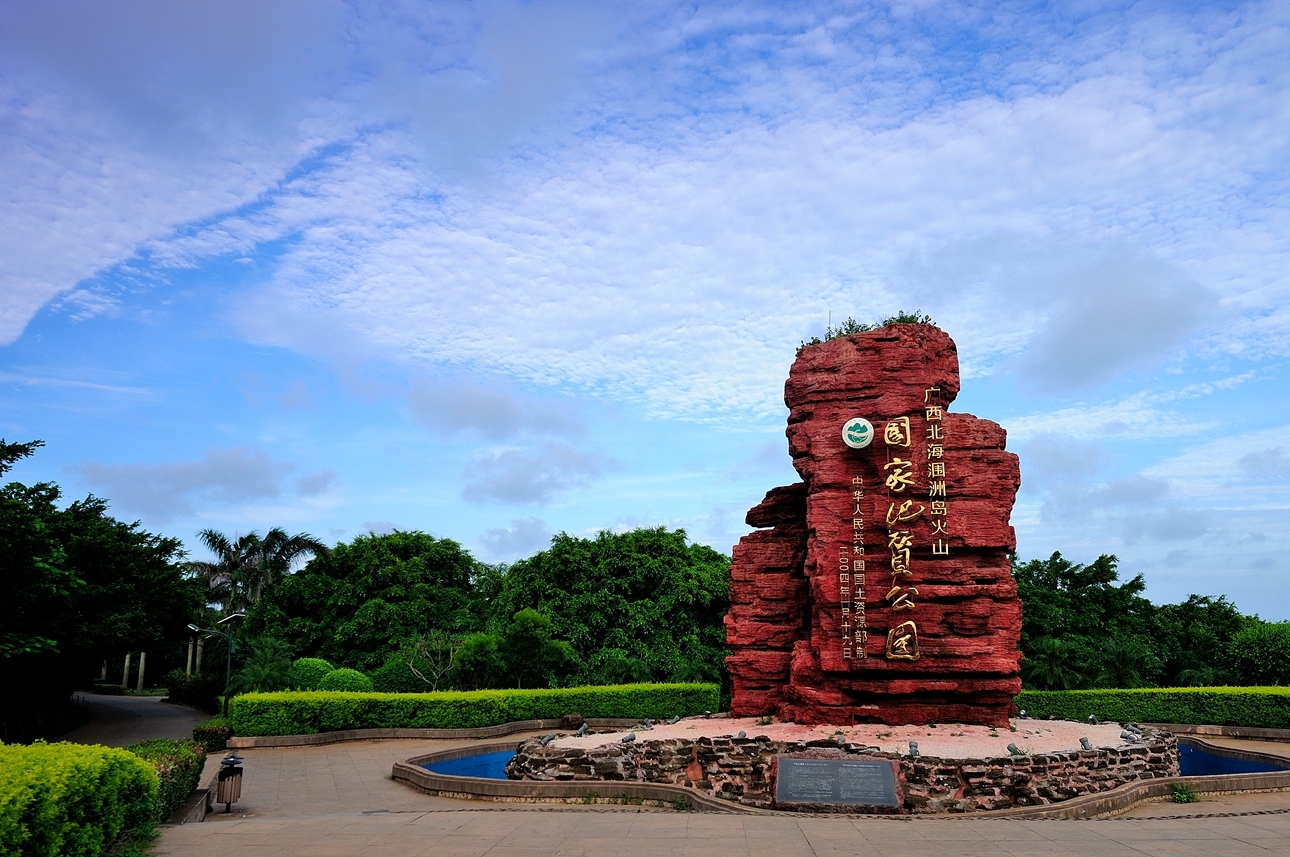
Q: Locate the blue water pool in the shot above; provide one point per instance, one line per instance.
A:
(490, 766)
(1195, 763)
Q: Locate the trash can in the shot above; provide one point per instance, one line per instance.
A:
(229, 786)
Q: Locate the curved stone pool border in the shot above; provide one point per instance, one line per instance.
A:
(1104, 804)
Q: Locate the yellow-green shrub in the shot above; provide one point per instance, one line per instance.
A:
(69, 800)
(1266, 707)
(178, 764)
(304, 713)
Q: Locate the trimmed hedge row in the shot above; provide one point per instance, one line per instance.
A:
(1264, 707)
(69, 800)
(213, 734)
(178, 764)
(305, 712)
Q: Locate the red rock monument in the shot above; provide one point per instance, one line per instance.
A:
(878, 589)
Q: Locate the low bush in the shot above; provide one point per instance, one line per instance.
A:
(178, 764)
(213, 734)
(304, 713)
(346, 680)
(395, 676)
(71, 800)
(1266, 707)
(307, 672)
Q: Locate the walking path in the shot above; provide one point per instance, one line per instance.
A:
(119, 721)
(338, 800)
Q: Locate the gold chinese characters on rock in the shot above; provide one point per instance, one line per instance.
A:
(904, 507)
(851, 579)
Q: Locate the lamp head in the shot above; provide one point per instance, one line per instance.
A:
(193, 627)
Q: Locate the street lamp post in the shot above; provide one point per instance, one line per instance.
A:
(228, 670)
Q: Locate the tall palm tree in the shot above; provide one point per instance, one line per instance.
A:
(278, 552)
(250, 566)
(233, 563)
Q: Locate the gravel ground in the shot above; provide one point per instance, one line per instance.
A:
(949, 740)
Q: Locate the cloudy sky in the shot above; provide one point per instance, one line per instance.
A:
(495, 270)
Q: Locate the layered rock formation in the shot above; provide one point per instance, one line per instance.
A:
(879, 588)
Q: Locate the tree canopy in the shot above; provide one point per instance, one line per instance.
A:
(358, 603)
(639, 605)
(80, 587)
(1082, 627)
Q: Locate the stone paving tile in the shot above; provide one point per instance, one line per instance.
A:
(309, 802)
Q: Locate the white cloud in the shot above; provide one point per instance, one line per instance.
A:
(493, 410)
(530, 475)
(658, 234)
(222, 476)
(523, 536)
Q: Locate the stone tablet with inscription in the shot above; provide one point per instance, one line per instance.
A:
(836, 781)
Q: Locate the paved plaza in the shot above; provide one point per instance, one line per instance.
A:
(339, 800)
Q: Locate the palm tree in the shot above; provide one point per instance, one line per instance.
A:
(1125, 663)
(278, 552)
(250, 566)
(1050, 665)
(232, 566)
(267, 667)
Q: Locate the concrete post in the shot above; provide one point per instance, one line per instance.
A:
(103, 672)
(125, 674)
(143, 658)
(190, 657)
(201, 645)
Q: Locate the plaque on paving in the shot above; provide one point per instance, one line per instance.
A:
(836, 781)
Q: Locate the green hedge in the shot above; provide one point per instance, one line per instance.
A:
(69, 800)
(304, 713)
(1266, 707)
(178, 764)
(213, 734)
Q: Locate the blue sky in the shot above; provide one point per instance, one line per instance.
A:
(495, 270)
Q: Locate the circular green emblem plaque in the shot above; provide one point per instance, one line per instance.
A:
(857, 432)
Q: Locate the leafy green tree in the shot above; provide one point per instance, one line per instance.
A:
(1260, 653)
(478, 663)
(1205, 676)
(1192, 640)
(532, 658)
(358, 604)
(648, 594)
(81, 587)
(40, 588)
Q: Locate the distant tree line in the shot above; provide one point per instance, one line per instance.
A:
(1084, 628)
(415, 612)
(420, 613)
